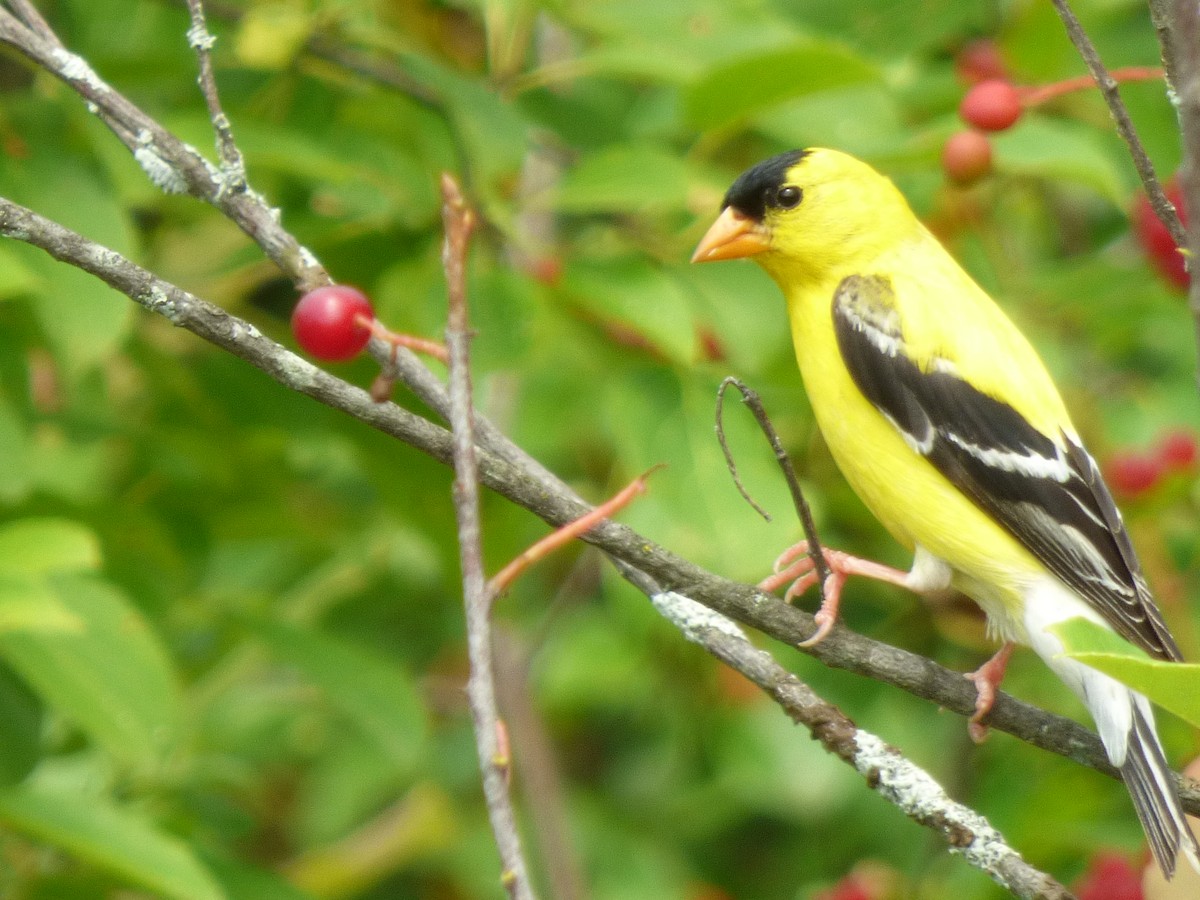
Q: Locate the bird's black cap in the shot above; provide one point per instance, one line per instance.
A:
(750, 194)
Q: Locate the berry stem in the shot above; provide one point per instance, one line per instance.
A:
(1033, 96)
(416, 344)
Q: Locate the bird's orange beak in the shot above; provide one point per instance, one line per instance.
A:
(732, 236)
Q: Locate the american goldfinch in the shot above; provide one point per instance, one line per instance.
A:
(945, 422)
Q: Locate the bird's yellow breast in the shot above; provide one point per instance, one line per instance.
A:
(912, 500)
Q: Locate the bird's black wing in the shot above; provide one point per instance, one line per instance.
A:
(1047, 495)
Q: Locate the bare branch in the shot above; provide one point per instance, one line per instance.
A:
(29, 15)
(1183, 37)
(541, 784)
(173, 165)
(491, 735)
(1108, 89)
(202, 42)
(1161, 15)
(885, 770)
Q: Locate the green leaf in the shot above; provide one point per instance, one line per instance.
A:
(107, 836)
(754, 83)
(623, 179)
(15, 277)
(241, 881)
(83, 319)
(15, 477)
(271, 34)
(1172, 685)
(37, 546)
(111, 676)
(371, 691)
(632, 294)
(21, 714)
(28, 604)
(1063, 151)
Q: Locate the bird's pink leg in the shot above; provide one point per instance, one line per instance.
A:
(987, 679)
(796, 566)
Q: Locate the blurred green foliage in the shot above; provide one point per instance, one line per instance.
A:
(231, 648)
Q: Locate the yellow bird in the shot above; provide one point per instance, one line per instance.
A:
(945, 422)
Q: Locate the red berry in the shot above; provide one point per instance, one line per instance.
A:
(967, 157)
(1178, 450)
(548, 270)
(991, 105)
(1110, 877)
(849, 888)
(712, 348)
(329, 322)
(1156, 240)
(1131, 473)
(980, 60)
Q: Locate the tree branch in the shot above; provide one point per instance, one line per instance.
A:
(202, 42)
(171, 164)
(1162, 207)
(885, 770)
(1182, 37)
(495, 761)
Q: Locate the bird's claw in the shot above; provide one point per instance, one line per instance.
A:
(797, 567)
(986, 679)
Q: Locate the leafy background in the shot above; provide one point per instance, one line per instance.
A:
(231, 646)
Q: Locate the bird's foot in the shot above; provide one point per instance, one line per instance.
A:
(796, 568)
(987, 679)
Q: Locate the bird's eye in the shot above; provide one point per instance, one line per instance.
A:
(788, 196)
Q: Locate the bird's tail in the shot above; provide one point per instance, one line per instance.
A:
(1125, 722)
(1152, 787)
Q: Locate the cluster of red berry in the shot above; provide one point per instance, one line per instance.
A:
(992, 103)
(1110, 876)
(1132, 473)
(1157, 242)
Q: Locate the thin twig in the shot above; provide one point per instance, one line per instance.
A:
(885, 770)
(567, 533)
(541, 784)
(202, 41)
(490, 733)
(386, 70)
(1162, 15)
(1162, 207)
(751, 398)
(1184, 35)
(32, 19)
(171, 164)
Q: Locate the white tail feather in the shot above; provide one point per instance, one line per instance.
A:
(1125, 722)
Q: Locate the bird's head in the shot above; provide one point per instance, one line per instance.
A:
(807, 214)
